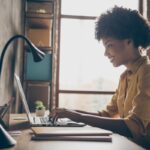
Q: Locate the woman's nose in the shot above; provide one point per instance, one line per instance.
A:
(106, 52)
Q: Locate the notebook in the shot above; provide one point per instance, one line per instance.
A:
(71, 134)
(70, 131)
(42, 121)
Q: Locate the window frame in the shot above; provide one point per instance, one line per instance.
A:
(55, 101)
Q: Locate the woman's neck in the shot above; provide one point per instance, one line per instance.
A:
(133, 59)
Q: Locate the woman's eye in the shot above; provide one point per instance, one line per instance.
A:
(109, 46)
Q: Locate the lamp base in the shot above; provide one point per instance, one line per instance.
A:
(6, 140)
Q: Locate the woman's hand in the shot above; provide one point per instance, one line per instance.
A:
(66, 113)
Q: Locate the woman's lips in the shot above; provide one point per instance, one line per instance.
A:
(111, 59)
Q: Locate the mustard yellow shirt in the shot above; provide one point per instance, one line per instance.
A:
(132, 100)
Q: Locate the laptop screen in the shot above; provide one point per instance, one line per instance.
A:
(23, 98)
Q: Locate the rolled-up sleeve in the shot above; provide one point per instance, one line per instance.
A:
(112, 108)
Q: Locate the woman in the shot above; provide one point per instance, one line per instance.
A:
(124, 33)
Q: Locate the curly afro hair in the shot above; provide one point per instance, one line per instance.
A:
(122, 23)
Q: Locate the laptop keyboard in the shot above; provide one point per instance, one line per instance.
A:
(46, 121)
(42, 121)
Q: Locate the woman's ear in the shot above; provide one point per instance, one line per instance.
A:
(129, 41)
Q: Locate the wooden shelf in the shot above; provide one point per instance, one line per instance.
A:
(38, 82)
(48, 50)
(40, 1)
(32, 22)
(39, 15)
(34, 7)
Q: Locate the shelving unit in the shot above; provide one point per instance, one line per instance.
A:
(39, 20)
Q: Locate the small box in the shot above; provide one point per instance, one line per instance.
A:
(39, 23)
(40, 37)
(44, 7)
(39, 70)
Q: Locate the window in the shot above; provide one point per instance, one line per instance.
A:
(84, 70)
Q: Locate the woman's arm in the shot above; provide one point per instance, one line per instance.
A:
(114, 125)
(89, 113)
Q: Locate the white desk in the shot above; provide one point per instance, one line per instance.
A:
(24, 142)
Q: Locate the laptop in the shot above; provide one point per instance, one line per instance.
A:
(45, 120)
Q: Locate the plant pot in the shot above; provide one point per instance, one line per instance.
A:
(40, 112)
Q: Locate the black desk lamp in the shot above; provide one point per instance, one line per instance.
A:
(5, 139)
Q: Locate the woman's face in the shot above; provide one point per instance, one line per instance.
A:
(120, 52)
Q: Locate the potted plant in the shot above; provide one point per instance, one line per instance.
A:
(39, 108)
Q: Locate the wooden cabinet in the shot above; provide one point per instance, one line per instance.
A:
(39, 20)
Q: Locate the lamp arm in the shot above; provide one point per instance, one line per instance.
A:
(38, 55)
(9, 41)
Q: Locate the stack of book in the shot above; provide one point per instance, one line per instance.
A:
(71, 134)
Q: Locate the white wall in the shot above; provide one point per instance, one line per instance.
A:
(11, 23)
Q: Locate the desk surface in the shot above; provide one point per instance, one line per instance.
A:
(24, 141)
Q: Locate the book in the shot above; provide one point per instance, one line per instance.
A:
(73, 138)
(69, 131)
(86, 133)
